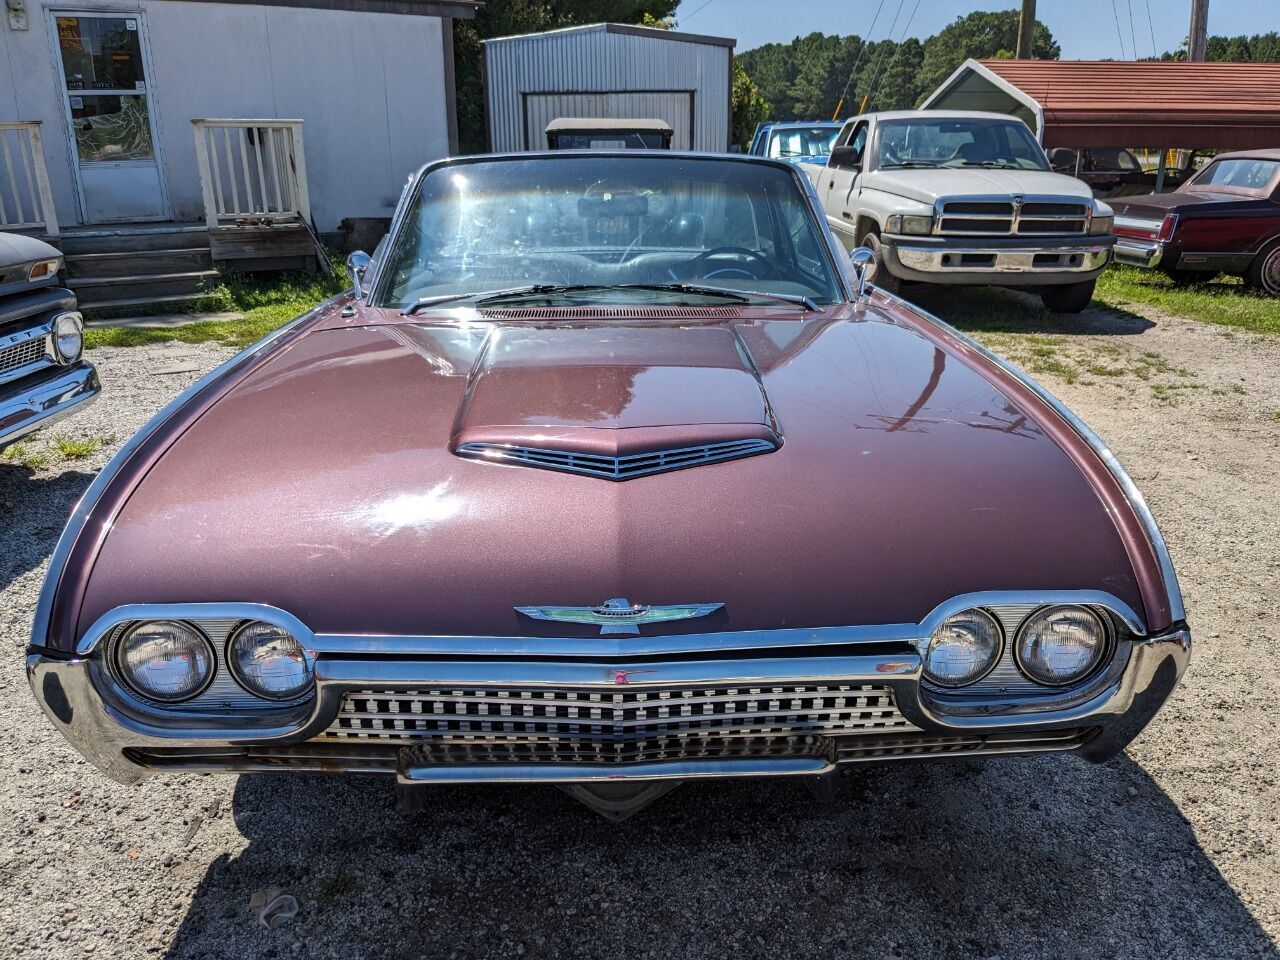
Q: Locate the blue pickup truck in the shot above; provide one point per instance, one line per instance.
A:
(800, 141)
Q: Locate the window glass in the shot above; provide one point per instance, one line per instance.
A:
(962, 142)
(101, 53)
(1251, 173)
(802, 141)
(111, 127)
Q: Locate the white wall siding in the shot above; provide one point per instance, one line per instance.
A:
(369, 88)
(593, 60)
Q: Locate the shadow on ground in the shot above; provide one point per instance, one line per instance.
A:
(995, 310)
(1012, 858)
(33, 511)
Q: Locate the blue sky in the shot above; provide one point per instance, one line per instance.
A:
(1085, 29)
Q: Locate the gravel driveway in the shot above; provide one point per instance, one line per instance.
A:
(1172, 850)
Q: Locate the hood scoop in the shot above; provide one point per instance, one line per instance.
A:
(614, 403)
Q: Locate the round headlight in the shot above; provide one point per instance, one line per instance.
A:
(1060, 645)
(68, 336)
(963, 649)
(165, 660)
(269, 662)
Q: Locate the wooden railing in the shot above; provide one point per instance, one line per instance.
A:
(252, 172)
(26, 202)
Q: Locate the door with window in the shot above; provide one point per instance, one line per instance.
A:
(102, 57)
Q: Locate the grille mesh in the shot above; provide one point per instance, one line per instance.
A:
(617, 726)
(1034, 217)
(22, 354)
(615, 468)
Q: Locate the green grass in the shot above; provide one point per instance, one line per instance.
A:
(24, 456)
(78, 449)
(265, 303)
(1225, 301)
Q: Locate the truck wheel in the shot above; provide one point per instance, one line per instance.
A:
(1264, 272)
(1068, 297)
(880, 275)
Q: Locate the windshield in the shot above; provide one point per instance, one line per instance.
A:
(964, 142)
(1245, 173)
(802, 141)
(604, 223)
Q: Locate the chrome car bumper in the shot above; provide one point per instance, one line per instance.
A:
(26, 407)
(978, 260)
(127, 743)
(1139, 253)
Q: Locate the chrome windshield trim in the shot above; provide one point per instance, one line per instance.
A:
(603, 647)
(1168, 574)
(84, 507)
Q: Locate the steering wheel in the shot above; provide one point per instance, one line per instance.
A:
(731, 271)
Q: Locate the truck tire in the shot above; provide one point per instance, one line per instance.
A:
(1068, 297)
(1264, 272)
(880, 275)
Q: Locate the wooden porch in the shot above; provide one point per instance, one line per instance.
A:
(257, 217)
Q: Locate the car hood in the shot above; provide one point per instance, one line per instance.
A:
(325, 482)
(926, 186)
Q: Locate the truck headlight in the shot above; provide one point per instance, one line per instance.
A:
(68, 336)
(270, 662)
(1060, 645)
(165, 660)
(1100, 225)
(909, 224)
(963, 649)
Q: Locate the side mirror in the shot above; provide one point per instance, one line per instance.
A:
(846, 157)
(357, 267)
(864, 262)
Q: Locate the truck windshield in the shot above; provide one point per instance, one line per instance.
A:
(958, 142)
(682, 227)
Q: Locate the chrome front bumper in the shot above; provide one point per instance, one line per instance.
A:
(126, 743)
(26, 406)
(976, 260)
(1139, 253)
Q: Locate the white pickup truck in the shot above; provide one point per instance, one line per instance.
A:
(963, 198)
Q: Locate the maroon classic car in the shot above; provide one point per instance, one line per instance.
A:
(609, 474)
(1224, 220)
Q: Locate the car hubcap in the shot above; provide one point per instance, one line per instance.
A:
(1271, 273)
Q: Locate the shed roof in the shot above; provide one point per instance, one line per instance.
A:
(1150, 103)
(649, 33)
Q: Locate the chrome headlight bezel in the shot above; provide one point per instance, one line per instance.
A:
(128, 678)
(994, 659)
(1102, 654)
(301, 691)
(67, 326)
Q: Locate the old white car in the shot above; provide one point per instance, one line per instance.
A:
(964, 198)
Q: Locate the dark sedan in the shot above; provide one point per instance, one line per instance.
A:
(1224, 220)
(611, 474)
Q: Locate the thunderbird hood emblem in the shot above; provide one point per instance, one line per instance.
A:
(620, 616)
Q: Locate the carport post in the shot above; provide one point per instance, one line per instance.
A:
(1164, 162)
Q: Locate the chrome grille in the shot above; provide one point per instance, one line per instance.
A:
(616, 725)
(19, 355)
(615, 468)
(1004, 218)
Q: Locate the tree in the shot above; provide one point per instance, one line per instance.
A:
(978, 35)
(749, 107)
(504, 18)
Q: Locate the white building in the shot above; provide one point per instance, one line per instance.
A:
(609, 70)
(324, 107)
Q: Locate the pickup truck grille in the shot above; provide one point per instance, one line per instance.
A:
(17, 356)
(1004, 218)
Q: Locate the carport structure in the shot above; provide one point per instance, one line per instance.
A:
(1149, 103)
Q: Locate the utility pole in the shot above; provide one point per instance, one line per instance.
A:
(1027, 29)
(1198, 38)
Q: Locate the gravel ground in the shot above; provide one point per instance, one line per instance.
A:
(1172, 850)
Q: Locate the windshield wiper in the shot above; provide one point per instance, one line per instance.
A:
(482, 296)
(909, 163)
(740, 295)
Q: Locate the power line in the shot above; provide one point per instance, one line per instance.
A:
(875, 67)
(898, 51)
(1119, 35)
(1155, 53)
(1133, 37)
(698, 10)
(835, 114)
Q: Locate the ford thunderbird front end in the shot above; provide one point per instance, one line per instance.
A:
(608, 474)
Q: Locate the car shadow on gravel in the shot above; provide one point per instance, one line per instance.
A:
(1010, 858)
(33, 511)
(995, 310)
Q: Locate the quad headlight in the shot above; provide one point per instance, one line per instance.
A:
(270, 662)
(963, 649)
(68, 336)
(165, 660)
(1060, 645)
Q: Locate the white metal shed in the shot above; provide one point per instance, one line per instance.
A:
(609, 70)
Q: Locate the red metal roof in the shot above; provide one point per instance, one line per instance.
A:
(1091, 103)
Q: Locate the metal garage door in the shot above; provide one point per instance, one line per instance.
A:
(675, 107)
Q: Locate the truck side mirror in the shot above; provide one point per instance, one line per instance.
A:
(847, 158)
(864, 261)
(357, 267)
